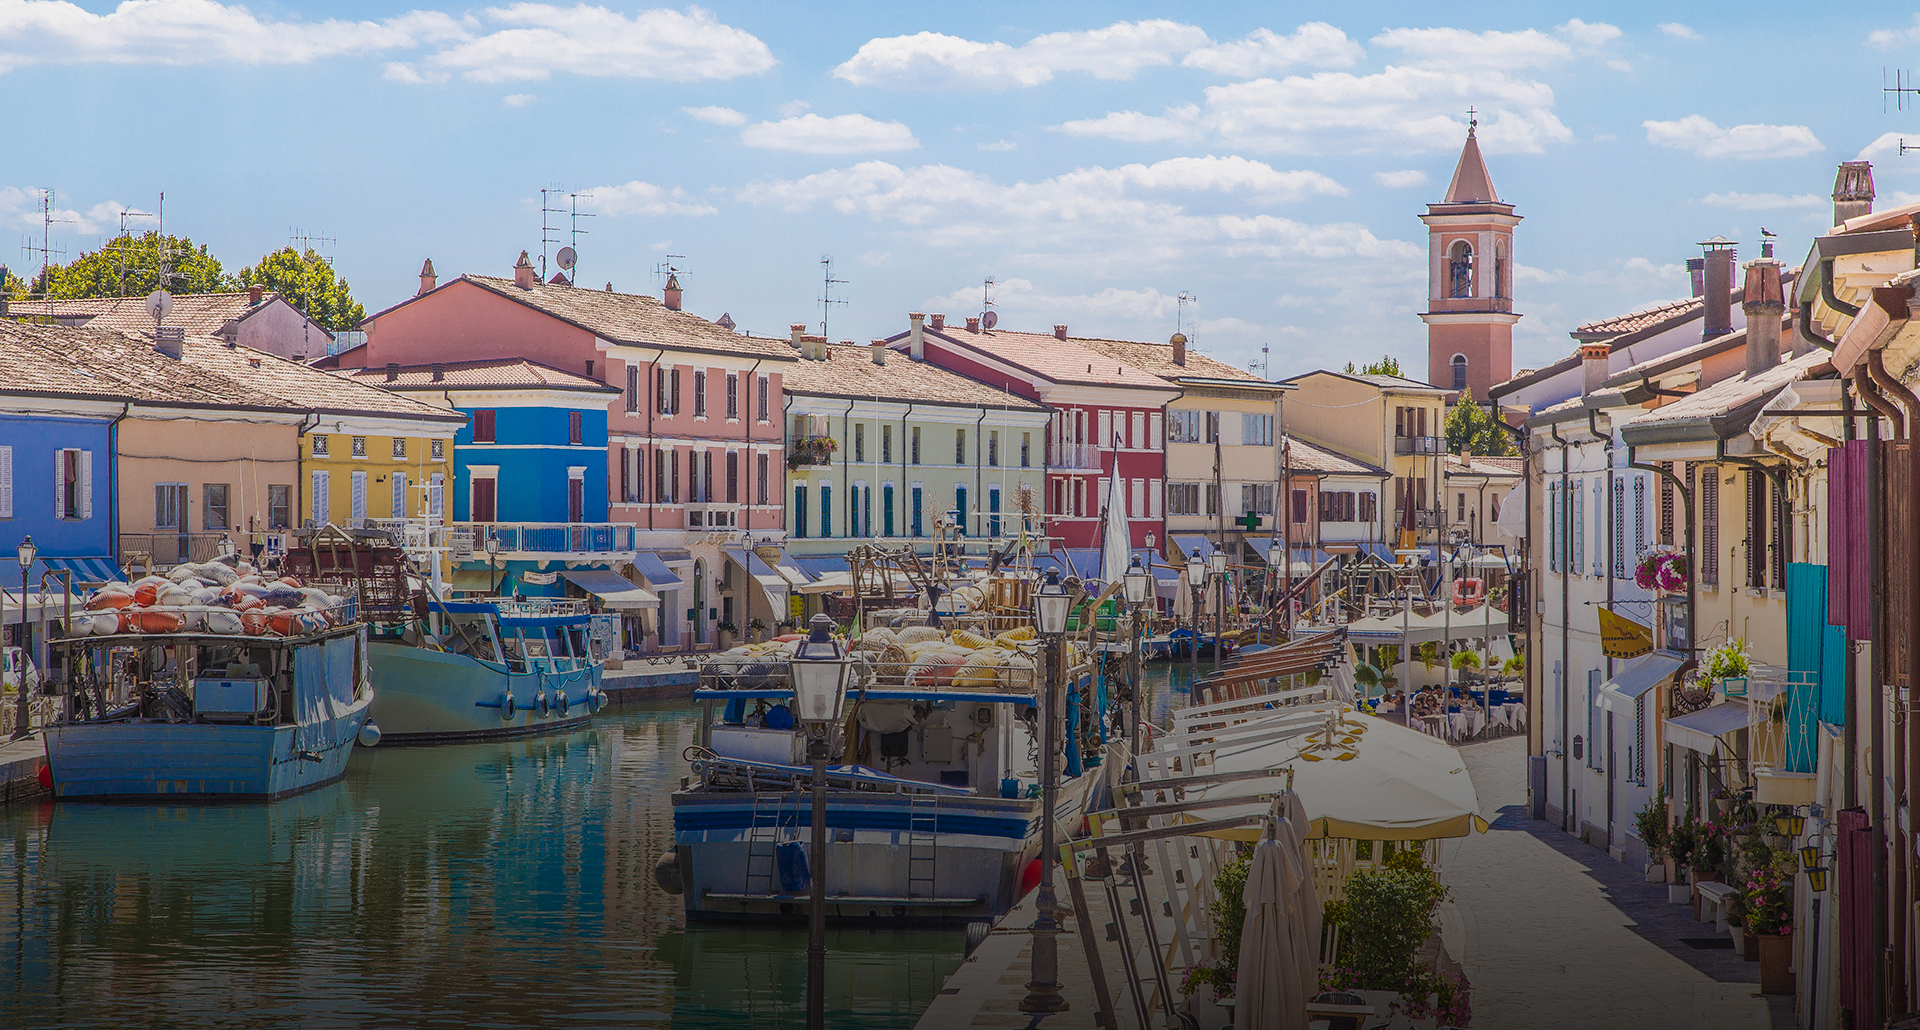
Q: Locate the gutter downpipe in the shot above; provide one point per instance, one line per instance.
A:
(300, 469)
(901, 496)
(979, 484)
(1826, 291)
(1876, 606)
(1566, 642)
(1613, 548)
(751, 466)
(846, 467)
(1693, 564)
(1903, 741)
(113, 484)
(653, 381)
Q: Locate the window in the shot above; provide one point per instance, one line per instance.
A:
(626, 475)
(576, 495)
(1637, 751)
(660, 476)
(706, 477)
(799, 510)
(760, 480)
(1459, 371)
(1619, 542)
(1639, 517)
(319, 445)
(765, 388)
(673, 476)
(959, 447)
(733, 395)
(700, 393)
(1599, 513)
(993, 448)
(359, 514)
(1369, 506)
(993, 511)
(1183, 498)
(1105, 439)
(213, 507)
(1461, 512)
(860, 441)
(573, 427)
(1183, 427)
(1782, 543)
(826, 510)
(1578, 561)
(661, 399)
(962, 516)
(1758, 490)
(73, 484)
(279, 506)
(1137, 502)
(1297, 506)
(400, 448)
(886, 444)
(1553, 527)
(633, 388)
(913, 450)
(886, 509)
(1257, 498)
(1666, 504)
(1026, 450)
(1336, 505)
(1153, 432)
(399, 508)
(1213, 427)
(359, 446)
(1256, 430)
(170, 505)
(1460, 269)
(437, 494)
(1493, 508)
(733, 477)
(438, 450)
(1213, 499)
(485, 490)
(1709, 525)
(319, 495)
(483, 426)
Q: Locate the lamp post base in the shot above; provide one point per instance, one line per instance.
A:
(1043, 998)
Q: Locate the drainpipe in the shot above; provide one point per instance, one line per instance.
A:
(1903, 744)
(1613, 546)
(300, 466)
(113, 485)
(1876, 606)
(786, 422)
(653, 377)
(979, 487)
(752, 382)
(846, 466)
(900, 496)
(1566, 642)
(1826, 291)
(1693, 581)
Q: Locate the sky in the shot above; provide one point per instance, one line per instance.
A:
(1095, 161)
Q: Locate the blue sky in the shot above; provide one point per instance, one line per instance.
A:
(1095, 159)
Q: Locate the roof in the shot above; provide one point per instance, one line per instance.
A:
(1061, 361)
(1306, 457)
(850, 372)
(1157, 358)
(1471, 184)
(1397, 384)
(1634, 321)
(283, 383)
(626, 318)
(197, 314)
(491, 373)
(1729, 405)
(1484, 465)
(1654, 367)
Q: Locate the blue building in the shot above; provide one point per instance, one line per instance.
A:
(529, 470)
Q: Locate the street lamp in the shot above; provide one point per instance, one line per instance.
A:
(1139, 586)
(1051, 605)
(493, 552)
(1278, 559)
(26, 553)
(1790, 823)
(1196, 582)
(818, 671)
(1217, 561)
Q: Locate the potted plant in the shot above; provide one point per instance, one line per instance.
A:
(1651, 824)
(1513, 666)
(1661, 570)
(1384, 922)
(811, 450)
(1428, 654)
(756, 630)
(1229, 912)
(1769, 896)
(1463, 661)
(727, 630)
(1728, 661)
(1681, 841)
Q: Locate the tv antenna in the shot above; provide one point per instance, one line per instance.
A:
(304, 245)
(988, 317)
(548, 231)
(827, 283)
(46, 249)
(1260, 363)
(1180, 314)
(574, 232)
(668, 268)
(122, 247)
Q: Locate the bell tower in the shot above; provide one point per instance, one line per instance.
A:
(1469, 312)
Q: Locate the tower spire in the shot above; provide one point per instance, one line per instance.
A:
(1469, 311)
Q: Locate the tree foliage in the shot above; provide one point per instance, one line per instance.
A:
(134, 266)
(1388, 365)
(1472, 427)
(307, 282)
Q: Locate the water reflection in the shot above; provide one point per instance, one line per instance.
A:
(495, 885)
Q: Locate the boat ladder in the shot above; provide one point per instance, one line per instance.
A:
(923, 844)
(763, 833)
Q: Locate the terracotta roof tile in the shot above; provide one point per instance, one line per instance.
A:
(1061, 361)
(633, 318)
(1157, 358)
(850, 372)
(1634, 321)
(198, 314)
(1306, 457)
(1728, 395)
(490, 373)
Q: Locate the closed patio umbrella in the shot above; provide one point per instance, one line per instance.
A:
(1278, 967)
(1183, 598)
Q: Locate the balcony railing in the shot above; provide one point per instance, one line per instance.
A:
(716, 517)
(1404, 445)
(159, 551)
(1076, 456)
(468, 540)
(1423, 518)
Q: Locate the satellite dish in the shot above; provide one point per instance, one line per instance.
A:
(989, 320)
(159, 303)
(566, 259)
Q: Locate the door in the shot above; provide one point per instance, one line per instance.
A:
(576, 500)
(483, 499)
(960, 510)
(1612, 783)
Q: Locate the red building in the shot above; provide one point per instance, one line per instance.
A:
(1104, 412)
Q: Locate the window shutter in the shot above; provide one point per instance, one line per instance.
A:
(1710, 525)
(6, 482)
(1553, 527)
(359, 513)
(60, 484)
(322, 510)
(85, 490)
(436, 494)
(399, 495)
(1579, 558)
(1639, 517)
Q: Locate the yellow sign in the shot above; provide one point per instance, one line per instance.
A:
(1621, 637)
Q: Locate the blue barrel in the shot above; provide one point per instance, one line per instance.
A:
(790, 864)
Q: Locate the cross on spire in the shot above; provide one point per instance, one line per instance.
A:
(1472, 121)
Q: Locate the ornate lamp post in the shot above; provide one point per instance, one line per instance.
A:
(1139, 588)
(1051, 605)
(1278, 560)
(493, 553)
(819, 672)
(1217, 562)
(26, 553)
(1197, 582)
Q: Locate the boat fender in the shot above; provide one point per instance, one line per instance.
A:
(546, 704)
(506, 706)
(560, 703)
(369, 734)
(596, 700)
(666, 871)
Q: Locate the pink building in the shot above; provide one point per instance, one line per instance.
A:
(1104, 412)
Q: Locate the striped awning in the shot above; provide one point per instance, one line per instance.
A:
(83, 570)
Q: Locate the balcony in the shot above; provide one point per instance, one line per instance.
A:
(803, 451)
(716, 517)
(1076, 456)
(467, 540)
(160, 551)
(1405, 445)
(1423, 518)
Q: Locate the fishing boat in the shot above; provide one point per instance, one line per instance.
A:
(447, 671)
(159, 703)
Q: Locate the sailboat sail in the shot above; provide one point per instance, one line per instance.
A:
(1115, 544)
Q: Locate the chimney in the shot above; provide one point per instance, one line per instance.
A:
(973, 323)
(427, 279)
(229, 331)
(1852, 191)
(939, 321)
(255, 293)
(1763, 304)
(1059, 331)
(523, 274)
(393, 371)
(916, 334)
(1719, 284)
(797, 333)
(170, 340)
(671, 294)
(1593, 367)
(439, 371)
(878, 349)
(1179, 342)
(1697, 274)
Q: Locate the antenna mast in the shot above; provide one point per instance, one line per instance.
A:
(46, 249)
(1180, 314)
(548, 195)
(988, 316)
(827, 283)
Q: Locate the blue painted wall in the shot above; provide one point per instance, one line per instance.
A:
(34, 440)
(530, 447)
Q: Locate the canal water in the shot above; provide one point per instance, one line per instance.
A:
(479, 885)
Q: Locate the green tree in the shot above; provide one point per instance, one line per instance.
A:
(1388, 365)
(1473, 427)
(308, 283)
(134, 266)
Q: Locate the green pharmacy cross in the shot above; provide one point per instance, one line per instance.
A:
(1249, 522)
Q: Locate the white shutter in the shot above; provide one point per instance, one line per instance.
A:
(1106, 487)
(6, 482)
(322, 512)
(399, 495)
(436, 496)
(359, 515)
(86, 484)
(1106, 430)
(60, 483)
(1155, 490)
(1138, 509)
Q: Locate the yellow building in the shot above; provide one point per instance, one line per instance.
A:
(1388, 421)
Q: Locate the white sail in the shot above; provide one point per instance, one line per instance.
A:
(1116, 551)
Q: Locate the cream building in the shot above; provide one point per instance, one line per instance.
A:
(1390, 422)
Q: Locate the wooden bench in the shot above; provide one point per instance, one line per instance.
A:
(1713, 902)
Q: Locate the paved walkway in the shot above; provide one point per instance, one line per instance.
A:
(1559, 936)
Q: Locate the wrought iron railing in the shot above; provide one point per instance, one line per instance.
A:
(165, 550)
(1404, 445)
(469, 539)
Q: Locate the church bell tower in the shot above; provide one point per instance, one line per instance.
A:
(1469, 312)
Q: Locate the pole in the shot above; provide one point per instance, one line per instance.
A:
(1220, 621)
(1043, 991)
(817, 902)
(1134, 672)
(25, 713)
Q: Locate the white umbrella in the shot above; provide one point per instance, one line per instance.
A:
(1278, 966)
(1183, 598)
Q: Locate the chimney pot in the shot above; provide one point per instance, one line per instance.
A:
(939, 320)
(916, 334)
(439, 371)
(1697, 275)
(973, 323)
(878, 349)
(1059, 331)
(255, 293)
(1852, 191)
(1720, 259)
(1763, 303)
(671, 294)
(1593, 367)
(427, 279)
(1179, 342)
(524, 275)
(393, 371)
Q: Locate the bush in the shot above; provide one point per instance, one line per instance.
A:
(1229, 906)
(1386, 918)
(1464, 660)
(1651, 823)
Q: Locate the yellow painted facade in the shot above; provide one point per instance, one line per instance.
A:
(356, 469)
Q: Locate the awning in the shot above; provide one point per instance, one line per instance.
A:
(1071, 561)
(1187, 543)
(1641, 675)
(655, 571)
(791, 569)
(84, 570)
(1701, 731)
(612, 588)
(816, 566)
(773, 584)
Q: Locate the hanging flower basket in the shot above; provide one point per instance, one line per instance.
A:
(1661, 570)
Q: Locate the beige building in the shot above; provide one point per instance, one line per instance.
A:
(1390, 422)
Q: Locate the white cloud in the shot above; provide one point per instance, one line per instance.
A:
(1315, 43)
(1019, 300)
(644, 198)
(679, 46)
(716, 115)
(1178, 123)
(1677, 30)
(1399, 109)
(793, 108)
(402, 72)
(1701, 136)
(1588, 34)
(1762, 201)
(1887, 39)
(1402, 179)
(841, 134)
(1888, 143)
(933, 60)
(1000, 146)
(517, 99)
(1527, 48)
(21, 207)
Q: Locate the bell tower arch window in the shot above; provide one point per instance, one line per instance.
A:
(1459, 371)
(1460, 269)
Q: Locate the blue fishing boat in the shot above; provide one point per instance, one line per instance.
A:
(198, 716)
